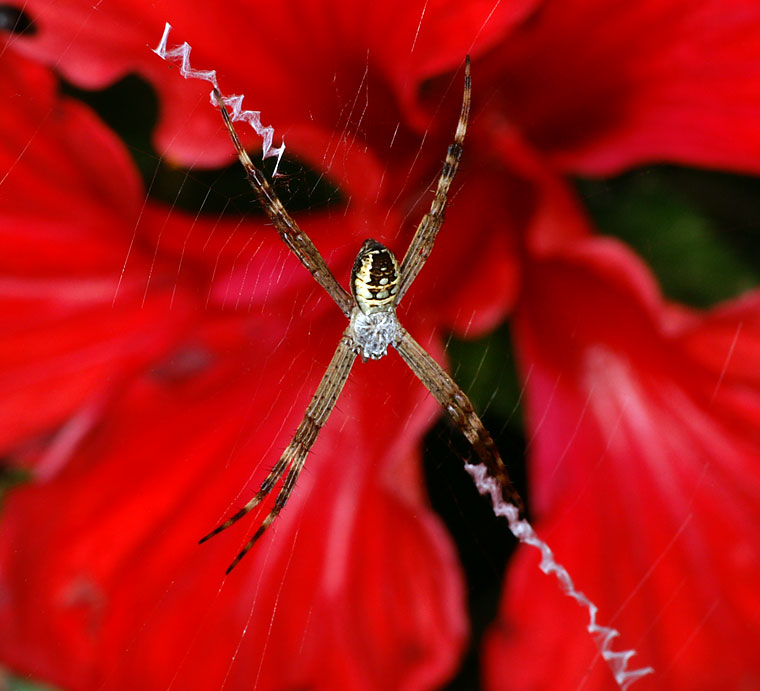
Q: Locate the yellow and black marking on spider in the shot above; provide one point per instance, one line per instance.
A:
(375, 278)
(378, 284)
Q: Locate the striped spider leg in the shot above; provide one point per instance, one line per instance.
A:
(378, 283)
(298, 242)
(295, 454)
(456, 403)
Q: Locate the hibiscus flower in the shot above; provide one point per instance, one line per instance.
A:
(155, 362)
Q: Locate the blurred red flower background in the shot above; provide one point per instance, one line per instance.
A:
(156, 357)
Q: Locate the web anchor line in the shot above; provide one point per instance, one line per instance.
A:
(523, 531)
(181, 55)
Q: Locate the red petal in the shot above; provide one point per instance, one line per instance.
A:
(355, 586)
(601, 87)
(69, 203)
(65, 177)
(645, 462)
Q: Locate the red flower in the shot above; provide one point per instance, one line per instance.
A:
(156, 363)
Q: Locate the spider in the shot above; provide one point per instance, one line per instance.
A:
(378, 283)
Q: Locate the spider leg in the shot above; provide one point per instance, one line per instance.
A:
(287, 489)
(458, 406)
(314, 419)
(298, 242)
(266, 487)
(424, 237)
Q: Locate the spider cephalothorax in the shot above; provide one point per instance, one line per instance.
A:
(378, 283)
(374, 284)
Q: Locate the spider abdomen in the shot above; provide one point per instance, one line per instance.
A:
(375, 278)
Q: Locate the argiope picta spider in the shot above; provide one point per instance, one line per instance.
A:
(378, 284)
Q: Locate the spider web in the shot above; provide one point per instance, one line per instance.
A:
(273, 426)
(603, 635)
